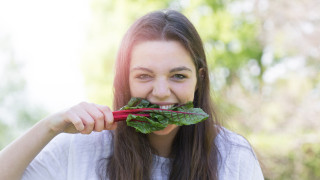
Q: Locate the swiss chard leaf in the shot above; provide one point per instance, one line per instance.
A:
(137, 103)
(159, 118)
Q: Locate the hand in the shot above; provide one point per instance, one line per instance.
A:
(84, 118)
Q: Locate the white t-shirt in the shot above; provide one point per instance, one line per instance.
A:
(79, 157)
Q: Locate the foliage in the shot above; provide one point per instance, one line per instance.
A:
(264, 62)
(266, 87)
(111, 20)
(16, 112)
(282, 125)
(146, 117)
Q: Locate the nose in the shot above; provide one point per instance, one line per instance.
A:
(161, 89)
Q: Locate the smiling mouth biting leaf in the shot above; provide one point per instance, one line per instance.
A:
(146, 117)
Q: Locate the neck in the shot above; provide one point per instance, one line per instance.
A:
(162, 143)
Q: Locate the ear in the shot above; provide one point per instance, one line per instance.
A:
(201, 73)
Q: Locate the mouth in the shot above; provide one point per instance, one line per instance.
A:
(166, 106)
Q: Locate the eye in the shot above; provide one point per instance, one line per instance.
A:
(143, 76)
(179, 76)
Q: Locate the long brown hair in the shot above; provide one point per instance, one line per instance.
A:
(194, 154)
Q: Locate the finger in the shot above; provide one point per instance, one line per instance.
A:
(75, 120)
(97, 116)
(113, 126)
(87, 121)
(108, 116)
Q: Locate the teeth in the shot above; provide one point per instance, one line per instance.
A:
(166, 107)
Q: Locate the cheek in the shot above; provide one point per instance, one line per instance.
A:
(138, 90)
(132, 88)
(185, 91)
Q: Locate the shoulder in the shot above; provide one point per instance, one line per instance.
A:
(227, 139)
(237, 159)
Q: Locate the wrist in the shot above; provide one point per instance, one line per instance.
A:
(51, 124)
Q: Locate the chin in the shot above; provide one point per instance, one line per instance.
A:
(171, 128)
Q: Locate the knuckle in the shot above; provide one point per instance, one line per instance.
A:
(106, 108)
(83, 103)
(98, 116)
(90, 123)
(68, 114)
(73, 109)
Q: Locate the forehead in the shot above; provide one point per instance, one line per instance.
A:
(160, 54)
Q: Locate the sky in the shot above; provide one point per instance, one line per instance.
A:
(48, 38)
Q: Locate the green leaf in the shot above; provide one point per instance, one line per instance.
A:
(145, 125)
(160, 118)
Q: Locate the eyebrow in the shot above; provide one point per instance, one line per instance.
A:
(180, 68)
(141, 68)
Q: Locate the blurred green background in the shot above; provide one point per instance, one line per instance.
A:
(264, 57)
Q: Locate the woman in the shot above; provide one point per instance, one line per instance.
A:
(161, 59)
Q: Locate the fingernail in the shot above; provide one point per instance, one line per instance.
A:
(81, 128)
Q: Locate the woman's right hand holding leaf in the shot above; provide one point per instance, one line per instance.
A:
(82, 118)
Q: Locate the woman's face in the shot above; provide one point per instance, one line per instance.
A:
(163, 73)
